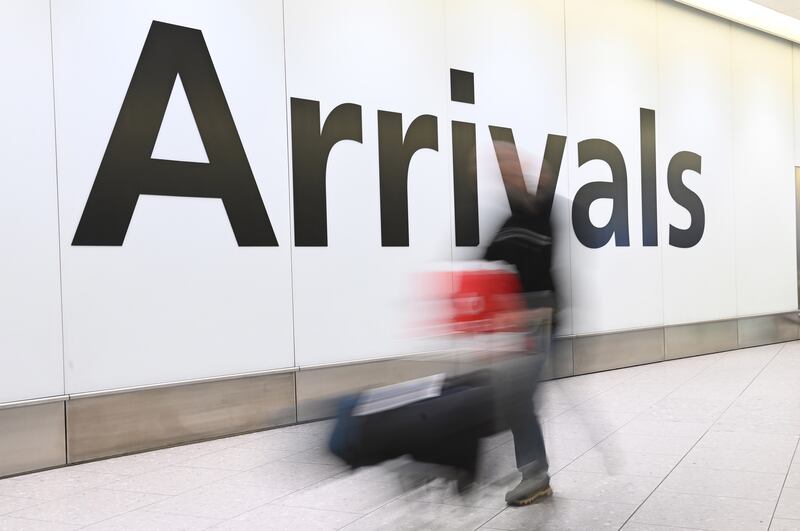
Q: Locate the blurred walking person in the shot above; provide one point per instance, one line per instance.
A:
(525, 241)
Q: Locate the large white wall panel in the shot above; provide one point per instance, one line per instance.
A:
(179, 299)
(611, 73)
(763, 145)
(516, 50)
(354, 299)
(694, 114)
(796, 72)
(30, 314)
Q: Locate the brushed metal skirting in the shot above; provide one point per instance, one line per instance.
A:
(121, 423)
(97, 425)
(766, 329)
(121, 390)
(319, 388)
(617, 350)
(797, 227)
(681, 341)
(560, 363)
(32, 438)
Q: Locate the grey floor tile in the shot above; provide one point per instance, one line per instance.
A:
(584, 414)
(646, 444)
(561, 513)
(633, 526)
(627, 401)
(171, 480)
(568, 446)
(408, 475)
(279, 518)
(295, 441)
(317, 455)
(345, 495)
(236, 458)
(789, 504)
(320, 428)
(784, 524)
(737, 459)
(22, 524)
(88, 507)
(665, 428)
(730, 483)
(752, 441)
(54, 484)
(284, 475)
(685, 410)
(487, 496)
(630, 463)
(704, 512)
(735, 420)
(9, 504)
(591, 486)
(188, 451)
(793, 478)
(587, 434)
(405, 514)
(150, 521)
(132, 465)
(218, 500)
(498, 463)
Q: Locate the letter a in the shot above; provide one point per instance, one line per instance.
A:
(128, 169)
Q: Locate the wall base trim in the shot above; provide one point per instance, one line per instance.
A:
(32, 438)
(56, 431)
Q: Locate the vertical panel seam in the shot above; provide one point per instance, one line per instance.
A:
(796, 175)
(656, 4)
(569, 194)
(58, 208)
(733, 178)
(291, 202)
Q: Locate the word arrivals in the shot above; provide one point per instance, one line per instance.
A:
(128, 170)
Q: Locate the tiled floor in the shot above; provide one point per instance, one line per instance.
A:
(700, 443)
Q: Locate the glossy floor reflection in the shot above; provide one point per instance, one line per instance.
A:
(699, 443)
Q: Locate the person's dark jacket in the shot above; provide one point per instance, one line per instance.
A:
(525, 241)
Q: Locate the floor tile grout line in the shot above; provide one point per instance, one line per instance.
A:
(783, 485)
(638, 414)
(706, 432)
(557, 384)
(495, 515)
(82, 526)
(173, 496)
(703, 369)
(593, 395)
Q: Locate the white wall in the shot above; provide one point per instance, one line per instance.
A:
(30, 313)
(353, 298)
(695, 112)
(181, 300)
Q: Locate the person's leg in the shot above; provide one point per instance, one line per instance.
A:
(528, 439)
(529, 445)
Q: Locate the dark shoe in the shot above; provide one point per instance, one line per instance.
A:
(531, 488)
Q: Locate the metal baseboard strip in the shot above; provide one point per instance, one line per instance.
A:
(54, 431)
(32, 438)
(681, 341)
(766, 329)
(121, 423)
(616, 350)
(319, 388)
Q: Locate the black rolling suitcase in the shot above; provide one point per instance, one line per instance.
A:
(444, 429)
